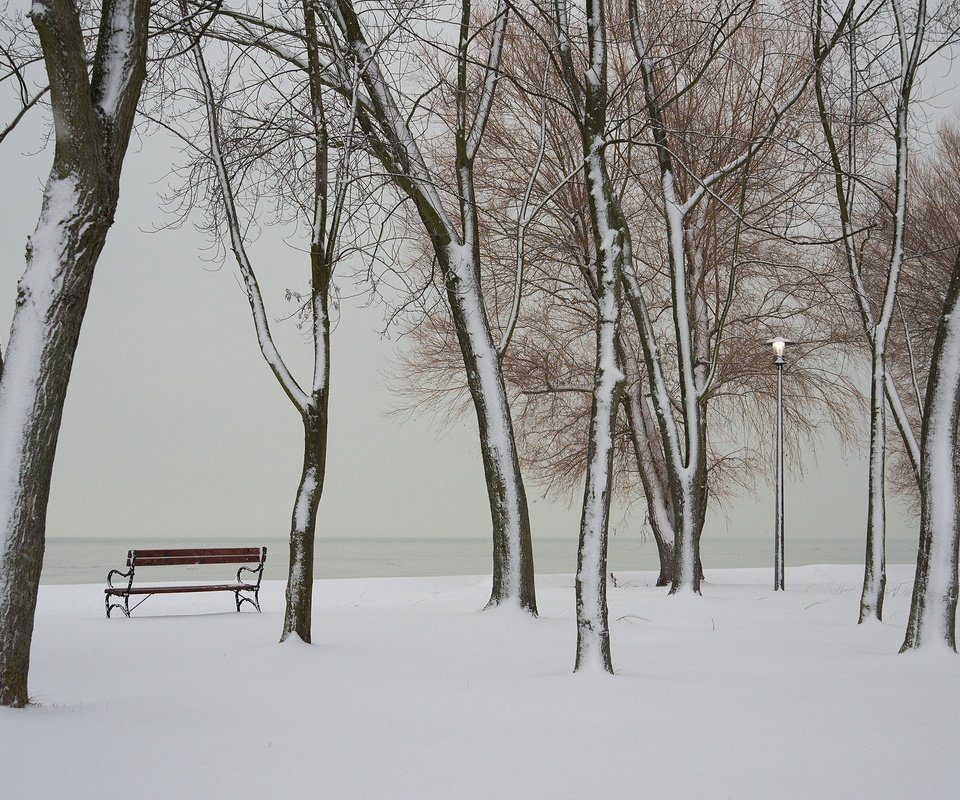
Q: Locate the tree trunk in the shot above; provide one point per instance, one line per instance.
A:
(513, 575)
(299, 594)
(51, 302)
(875, 571)
(688, 486)
(593, 633)
(93, 118)
(652, 471)
(689, 491)
(933, 610)
(298, 616)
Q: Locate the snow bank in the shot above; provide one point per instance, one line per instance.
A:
(410, 692)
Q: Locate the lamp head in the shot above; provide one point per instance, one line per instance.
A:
(779, 345)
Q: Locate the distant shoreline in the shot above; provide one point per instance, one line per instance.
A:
(83, 560)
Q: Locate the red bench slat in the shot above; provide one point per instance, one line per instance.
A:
(206, 555)
(174, 561)
(224, 587)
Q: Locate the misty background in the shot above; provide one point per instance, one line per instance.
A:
(174, 426)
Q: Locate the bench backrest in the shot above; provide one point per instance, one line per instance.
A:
(205, 555)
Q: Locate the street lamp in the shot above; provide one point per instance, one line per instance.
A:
(779, 345)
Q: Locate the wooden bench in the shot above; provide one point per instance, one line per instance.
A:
(242, 589)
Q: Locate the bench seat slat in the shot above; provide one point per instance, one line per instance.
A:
(223, 587)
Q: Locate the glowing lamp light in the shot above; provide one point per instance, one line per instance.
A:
(779, 345)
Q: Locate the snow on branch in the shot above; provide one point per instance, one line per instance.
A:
(114, 53)
(492, 73)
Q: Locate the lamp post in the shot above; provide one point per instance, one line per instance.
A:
(779, 345)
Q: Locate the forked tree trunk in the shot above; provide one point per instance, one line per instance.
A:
(312, 406)
(933, 610)
(689, 488)
(683, 445)
(93, 116)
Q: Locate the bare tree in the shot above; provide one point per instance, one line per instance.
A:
(589, 100)
(94, 100)
(868, 122)
(697, 330)
(457, 248)
(292, 142)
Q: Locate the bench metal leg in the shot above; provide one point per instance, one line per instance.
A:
(255, 602)
(125, 608)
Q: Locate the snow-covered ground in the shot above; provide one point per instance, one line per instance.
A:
(411, 692)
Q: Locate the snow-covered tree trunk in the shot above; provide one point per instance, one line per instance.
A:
(652, 471)
(93, 116)
(513, 578)
(298, 614)
(593, 634)
(328, 208)
(933, 610)
(51, 302)
(875, 570)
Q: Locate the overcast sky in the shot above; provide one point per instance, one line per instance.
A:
(175, 427)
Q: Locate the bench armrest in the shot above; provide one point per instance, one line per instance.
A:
(258, 571)
(128, 574)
